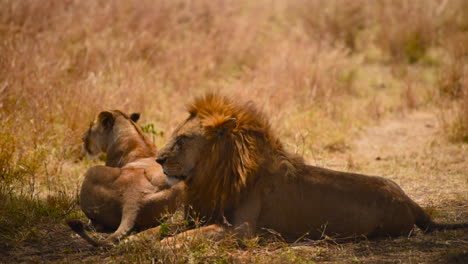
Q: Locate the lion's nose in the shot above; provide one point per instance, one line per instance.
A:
(161, 160)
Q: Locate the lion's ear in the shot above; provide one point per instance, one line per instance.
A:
(226, 127)
(106, 119)
(135, 117)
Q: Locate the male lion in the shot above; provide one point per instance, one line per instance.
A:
(241, 180)
(130, 191)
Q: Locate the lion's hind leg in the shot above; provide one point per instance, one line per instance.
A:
(129, 215)
(79, 228)
(127, 223)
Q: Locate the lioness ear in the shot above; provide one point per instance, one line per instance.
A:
(107, 119)
(135, 117)
(226, 127)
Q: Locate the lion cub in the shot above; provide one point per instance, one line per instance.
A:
(130, 191)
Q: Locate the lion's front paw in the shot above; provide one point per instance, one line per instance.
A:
(171, 243)
(113, 240)
(131, 240)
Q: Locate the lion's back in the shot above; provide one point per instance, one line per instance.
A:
(319, 200)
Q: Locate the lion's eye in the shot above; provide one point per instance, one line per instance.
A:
(180, 141)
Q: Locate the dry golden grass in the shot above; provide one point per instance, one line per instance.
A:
(323, 71)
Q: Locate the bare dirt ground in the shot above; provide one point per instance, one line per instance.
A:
(412, 152)
(408, 150)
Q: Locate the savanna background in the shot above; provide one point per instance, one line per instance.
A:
(375, 87)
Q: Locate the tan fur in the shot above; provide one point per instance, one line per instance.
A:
(130, 191)
(241, 179)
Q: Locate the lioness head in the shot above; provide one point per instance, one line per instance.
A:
(96, 138)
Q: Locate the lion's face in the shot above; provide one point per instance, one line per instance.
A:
(180, 155)
(96, 138)
(191, 142)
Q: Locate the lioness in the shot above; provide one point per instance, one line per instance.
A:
(130, 191)
(241, 180)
